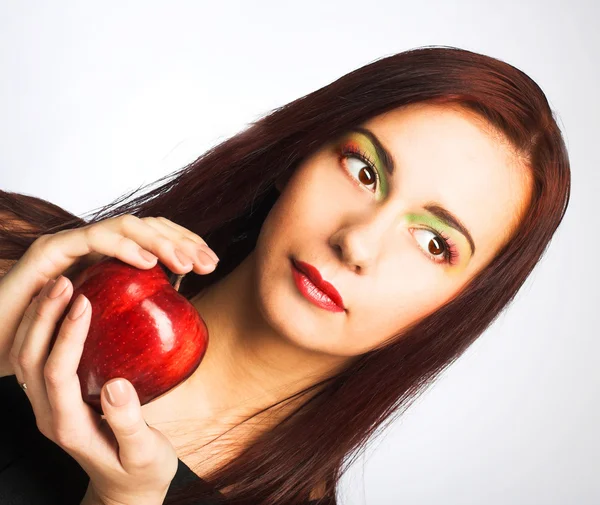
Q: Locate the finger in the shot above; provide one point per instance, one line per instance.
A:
(125, 237)
(22, 330)
(195, 251)
(189, 234)
(20, 333)
(181, 229)
(34, 347)
(181, 232)
(60, 373)
(154, 240)
(54, 254)
(65, 418)
(139, 446)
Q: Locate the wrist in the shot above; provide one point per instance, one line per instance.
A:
(90, 497)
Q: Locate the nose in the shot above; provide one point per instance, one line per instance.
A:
(360, 242)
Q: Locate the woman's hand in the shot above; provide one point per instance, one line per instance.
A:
(68, 252)
(128, 462)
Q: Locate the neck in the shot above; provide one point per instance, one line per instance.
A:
(248, 365)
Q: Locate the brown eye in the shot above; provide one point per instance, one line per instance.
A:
(362, 172)
(366, 177)
(433, 246)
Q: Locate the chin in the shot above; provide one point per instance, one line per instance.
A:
(289, 314)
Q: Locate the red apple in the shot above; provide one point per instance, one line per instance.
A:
(141, 329)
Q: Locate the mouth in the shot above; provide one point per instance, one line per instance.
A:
(315, 288)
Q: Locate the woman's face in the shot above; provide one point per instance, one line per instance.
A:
(380, 238)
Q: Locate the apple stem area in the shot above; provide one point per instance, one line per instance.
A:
(178, 281)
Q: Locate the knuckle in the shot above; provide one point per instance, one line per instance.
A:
(121, 243)
(25, 360)
(30, 314)
(42, 239)
(129, 429)
(41, 308)
(63, 232)
(39, 244)
(13, 358)
(91, 232)
(196, 239)
(61, 438)
(190, 241)
(165, 241)
(53, 376)
(66, 438)
(128, 221)
(163, 244)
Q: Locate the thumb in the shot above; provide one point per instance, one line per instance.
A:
(123, 413)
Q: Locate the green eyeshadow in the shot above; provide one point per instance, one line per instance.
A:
(365, 145)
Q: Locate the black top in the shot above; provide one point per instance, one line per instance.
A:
(36, 471)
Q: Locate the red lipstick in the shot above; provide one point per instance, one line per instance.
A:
(317, 290)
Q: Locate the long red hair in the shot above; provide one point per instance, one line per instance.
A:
(226, 193)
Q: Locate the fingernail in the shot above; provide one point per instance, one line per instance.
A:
(212, 254)
(78, 307)
(59, 287)
(117, 393)
(205, 259)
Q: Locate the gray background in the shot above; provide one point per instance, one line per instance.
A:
(97, 99)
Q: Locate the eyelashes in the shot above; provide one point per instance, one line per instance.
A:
(351, 150)
(450, 253)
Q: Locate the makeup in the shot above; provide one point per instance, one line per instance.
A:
(359, 158)
(452, 251)
(312, 293)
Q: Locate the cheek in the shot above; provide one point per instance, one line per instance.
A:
(391, 303)
(302, 212)
(293, 227)
(280, 237)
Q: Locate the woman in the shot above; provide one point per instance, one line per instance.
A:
(424, 187)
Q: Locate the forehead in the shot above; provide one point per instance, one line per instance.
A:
(451, 155)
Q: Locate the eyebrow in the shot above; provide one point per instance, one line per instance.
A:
(451, 220)
(434, 208)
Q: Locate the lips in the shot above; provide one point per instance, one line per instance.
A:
(315, 277)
